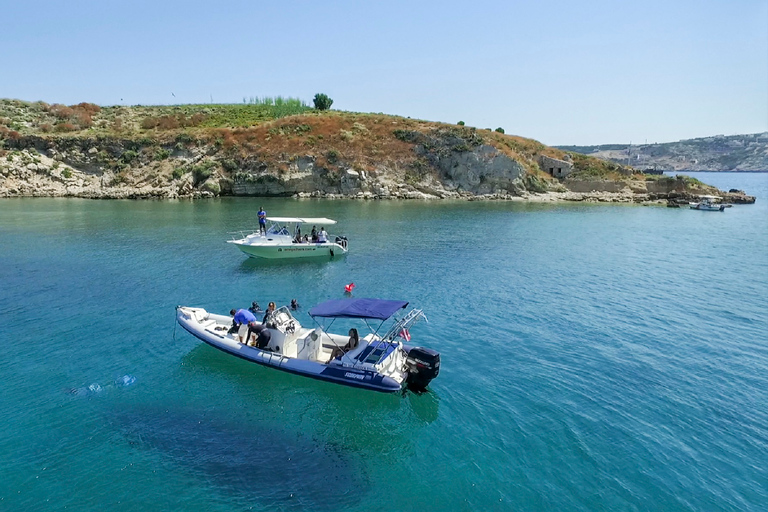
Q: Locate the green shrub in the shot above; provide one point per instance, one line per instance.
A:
(460, 123)
(202, 172)
(162, 154)
(229, 165)
(66, 173)
(500, 130)
(332, 155)
(177, 173)
(322, 101)
(212, 186)
(129, 156)
(184, 138)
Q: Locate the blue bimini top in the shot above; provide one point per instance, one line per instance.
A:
(379, 309)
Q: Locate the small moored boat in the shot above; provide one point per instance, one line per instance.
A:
(708, 204)
(284, 239)
(376, 361)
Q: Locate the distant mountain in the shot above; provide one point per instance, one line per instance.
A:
(718, 153)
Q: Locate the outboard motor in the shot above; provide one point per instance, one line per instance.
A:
(423, 365)
(342, 241)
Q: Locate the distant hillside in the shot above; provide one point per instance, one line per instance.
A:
(718, 153)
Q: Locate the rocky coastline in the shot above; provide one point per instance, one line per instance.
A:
(33, 173)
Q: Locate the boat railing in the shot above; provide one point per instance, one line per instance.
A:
(395, 331)
(239, 235)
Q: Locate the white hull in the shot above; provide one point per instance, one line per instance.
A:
(299, 350)
(708, 207)
(288, 250)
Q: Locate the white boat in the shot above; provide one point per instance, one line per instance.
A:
(284, 238)
(379, 362)
(708, 204)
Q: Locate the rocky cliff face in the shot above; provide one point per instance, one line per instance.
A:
(430, 163)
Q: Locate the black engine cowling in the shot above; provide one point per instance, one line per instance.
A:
(423, 365)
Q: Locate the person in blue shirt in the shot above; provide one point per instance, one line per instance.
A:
(262, 220)
(240, 317)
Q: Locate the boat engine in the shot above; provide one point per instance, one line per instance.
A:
(423, 365)
(342, 241)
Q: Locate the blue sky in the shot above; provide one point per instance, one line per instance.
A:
(560, 72)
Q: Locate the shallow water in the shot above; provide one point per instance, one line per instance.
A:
(594, 357)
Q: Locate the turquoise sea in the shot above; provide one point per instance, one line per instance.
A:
(594, 357)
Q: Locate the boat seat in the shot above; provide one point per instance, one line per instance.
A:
(352, 354)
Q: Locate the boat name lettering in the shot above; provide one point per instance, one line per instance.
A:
(298, 249)
(354, 376)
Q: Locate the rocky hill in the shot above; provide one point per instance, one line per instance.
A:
(718, 153)
(291, 150)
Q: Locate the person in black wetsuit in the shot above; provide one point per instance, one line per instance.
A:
(261, 334)
(255, 308)
(268, 317)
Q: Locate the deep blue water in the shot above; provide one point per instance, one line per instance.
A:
(595, 357)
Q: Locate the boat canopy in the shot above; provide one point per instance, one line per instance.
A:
(302, 220)
(379, 309)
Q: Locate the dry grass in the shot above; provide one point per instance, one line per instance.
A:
(336, 140)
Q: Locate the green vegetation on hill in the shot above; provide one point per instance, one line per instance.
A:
(268, 146)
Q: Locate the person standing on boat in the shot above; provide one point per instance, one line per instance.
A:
(268, 317)
(262, 220)
(314, 234)
(322, 237)
(240, 318)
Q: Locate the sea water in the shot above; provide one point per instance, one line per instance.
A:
(594, 357)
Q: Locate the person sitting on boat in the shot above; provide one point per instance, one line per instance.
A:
(255, 308)
(354, 340)
(262, 220)
(240, 317)
(322, 236)
(314, 234)
(268, 320)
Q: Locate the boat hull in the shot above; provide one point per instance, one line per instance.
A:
(708, 208)
(291, 251)
(352, 377)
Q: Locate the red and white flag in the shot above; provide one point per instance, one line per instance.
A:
(405, 335)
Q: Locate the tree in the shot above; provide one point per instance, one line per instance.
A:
(322, 101)
(500, 130)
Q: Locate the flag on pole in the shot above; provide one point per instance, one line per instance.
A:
(405, 335)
